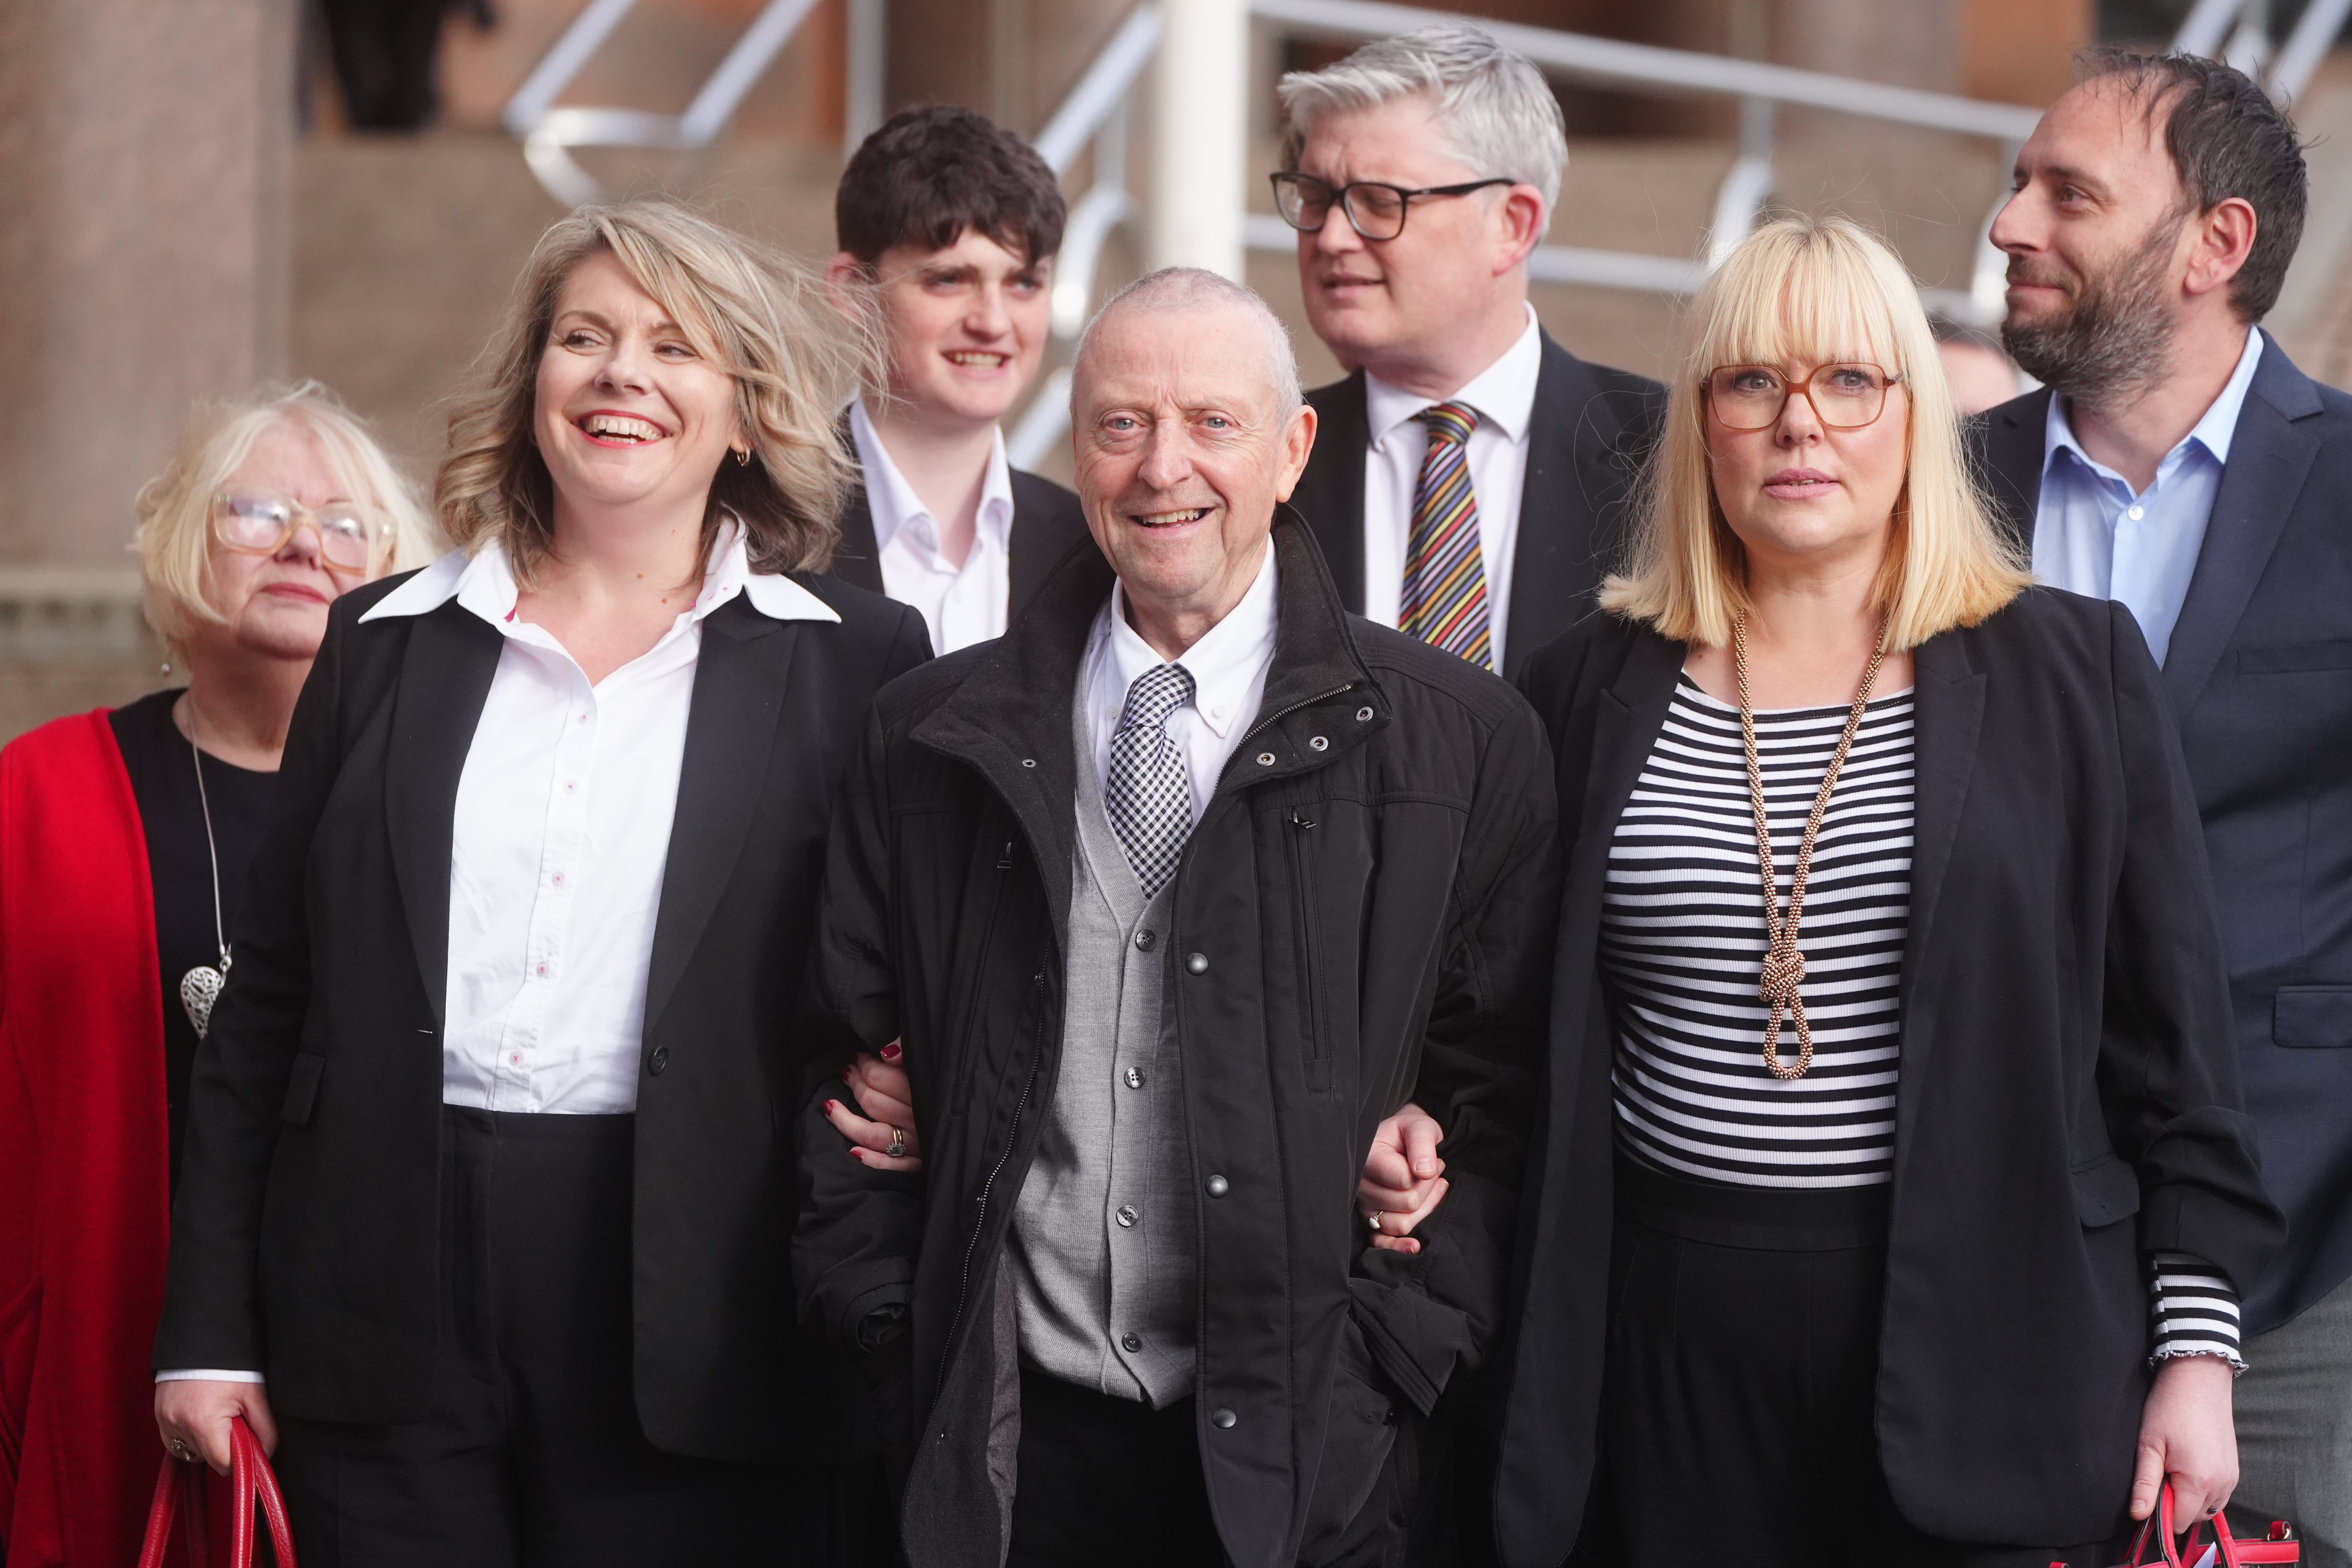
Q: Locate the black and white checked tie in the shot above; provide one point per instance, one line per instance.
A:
(1150, 795)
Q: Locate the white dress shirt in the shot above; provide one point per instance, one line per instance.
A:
(1504, 395)
(561, 833)
(961, 604)
(2092, 534)
(1228, 668)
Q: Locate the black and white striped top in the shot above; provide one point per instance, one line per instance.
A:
(1682, 942)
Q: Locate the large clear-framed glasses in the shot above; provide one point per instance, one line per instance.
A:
(1376, 211)
(1844, 396)
(255, 520)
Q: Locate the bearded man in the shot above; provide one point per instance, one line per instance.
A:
(2178, 462)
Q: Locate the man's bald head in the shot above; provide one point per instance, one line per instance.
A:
(1189, 289)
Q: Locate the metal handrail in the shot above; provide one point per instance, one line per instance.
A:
(2234, 31)
(550, 133)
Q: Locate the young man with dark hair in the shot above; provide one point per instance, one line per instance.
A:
(948, 224)
(2178, 462)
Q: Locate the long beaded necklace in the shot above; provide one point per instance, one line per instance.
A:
(201, 987)
(1784, 967)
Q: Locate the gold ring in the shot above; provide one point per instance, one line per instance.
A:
(181, 1452)
(1376, 1215)
(898, 1142)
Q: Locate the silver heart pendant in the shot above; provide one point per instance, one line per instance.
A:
(199, 988)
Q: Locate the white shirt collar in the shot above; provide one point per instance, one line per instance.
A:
(1223, 664)
(894, 503)
(2212, 432)
(1504, 393)
(484, 584)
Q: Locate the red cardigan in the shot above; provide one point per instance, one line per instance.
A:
(84, 1151)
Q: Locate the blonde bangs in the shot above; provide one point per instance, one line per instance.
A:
(1810, 291)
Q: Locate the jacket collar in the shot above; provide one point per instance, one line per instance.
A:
(484, 584)
(1009, 719)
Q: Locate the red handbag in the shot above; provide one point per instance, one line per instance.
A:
(252, 1487)
(2193, 1551)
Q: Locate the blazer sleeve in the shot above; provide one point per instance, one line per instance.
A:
(239, 1086)
(860, 1229)
(1429, 1315)
(2167, 1062)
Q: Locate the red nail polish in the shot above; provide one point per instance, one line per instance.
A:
(832, 1105)
(891, 1053)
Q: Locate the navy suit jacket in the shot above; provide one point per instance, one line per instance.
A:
(1590, 431)
(2259, 675)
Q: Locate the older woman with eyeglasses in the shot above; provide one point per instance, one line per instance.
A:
(1897, 1186)
(125, 841)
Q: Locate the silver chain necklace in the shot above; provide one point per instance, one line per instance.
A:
(201, 987)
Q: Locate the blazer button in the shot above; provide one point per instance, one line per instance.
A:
(1146, 939)
(1196, 963)
(1218, 1186)
(1223, 1419)
(658, 1061)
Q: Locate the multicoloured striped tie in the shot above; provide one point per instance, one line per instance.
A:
(1444, 600)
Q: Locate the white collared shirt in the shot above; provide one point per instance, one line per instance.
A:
(961, 604)
(2092, 534)
(561, 833)
(1228, 667)
(1504, 395)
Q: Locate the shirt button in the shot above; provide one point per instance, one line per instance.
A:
(583, 718)
(658, 1061)
(558, 879)
(2134, 513)
(1196, 963)
(1145, 940)
(1223, 1419)
(1133, 1342)
(1126, 1216)
(568, 787)
(1218, 1186)
(1135, 1077)
(542, 971)
(516, 1058)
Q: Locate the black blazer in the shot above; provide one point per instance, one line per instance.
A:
(1590, 430)
(2068, 1099)
(306, 1235)
(2259, 680)
(1047, 525)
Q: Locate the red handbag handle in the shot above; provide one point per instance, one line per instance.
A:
(2232, 1554)
(253, 1488)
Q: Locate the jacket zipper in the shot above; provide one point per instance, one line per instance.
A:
(979, 1219)
(1317, 1060)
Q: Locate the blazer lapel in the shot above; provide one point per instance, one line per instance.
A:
(2010, 470)
(2271, 454)
(444, 678)
(1626, 722)
(740, 691)
(1555, 564)
(856, 560)
(1330, 493)
(1947, 711)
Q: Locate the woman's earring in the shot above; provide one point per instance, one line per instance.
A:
(743, 457)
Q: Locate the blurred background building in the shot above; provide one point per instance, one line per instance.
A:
(201, 194)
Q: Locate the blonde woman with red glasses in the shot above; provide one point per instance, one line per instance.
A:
(1897, 1188)
(124, 840)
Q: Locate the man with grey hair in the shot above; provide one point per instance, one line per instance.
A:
(1471, 472)
(1168, 897)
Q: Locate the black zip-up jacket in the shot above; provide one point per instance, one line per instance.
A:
(1363, 915)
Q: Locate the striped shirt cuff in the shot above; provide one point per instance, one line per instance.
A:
(2193, 1309)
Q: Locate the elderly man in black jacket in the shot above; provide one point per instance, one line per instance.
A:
(1172, 894)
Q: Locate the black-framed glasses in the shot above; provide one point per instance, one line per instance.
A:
(1843, 396)
(1376, 211)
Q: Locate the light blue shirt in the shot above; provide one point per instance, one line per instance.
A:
(2093, 535)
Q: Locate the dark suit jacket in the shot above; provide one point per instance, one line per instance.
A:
(1590, 430)
(1047, 525)
(305, 1236)
(2259, 680)
(2067, 1102)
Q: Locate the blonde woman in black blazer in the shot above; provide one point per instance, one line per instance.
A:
(1945, 1272)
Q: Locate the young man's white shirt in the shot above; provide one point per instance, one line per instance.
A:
(959, 605)
(1504, 395)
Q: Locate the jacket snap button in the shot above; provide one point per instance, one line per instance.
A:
(1363, 715)
(1218, 1186)
(1196, 963)
(1028, 761)
(1131, 1342)
(1146, 939)
(658, 1061)
(1265, 758)
(1126, 1216)
(1319, 743)
(1223, 1419)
